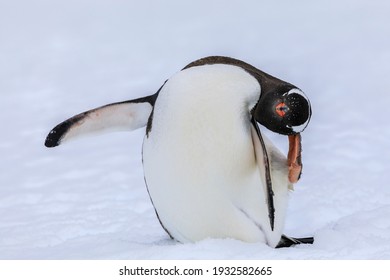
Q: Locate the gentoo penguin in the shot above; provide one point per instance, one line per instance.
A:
(209, 170)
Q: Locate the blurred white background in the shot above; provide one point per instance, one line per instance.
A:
(87, 199)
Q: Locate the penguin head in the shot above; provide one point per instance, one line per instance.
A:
(284, 110)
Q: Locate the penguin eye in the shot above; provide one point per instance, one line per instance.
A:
(281, 109)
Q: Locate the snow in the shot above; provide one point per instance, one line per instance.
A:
(87, 199)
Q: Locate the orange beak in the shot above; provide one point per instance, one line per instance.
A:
(294, 158)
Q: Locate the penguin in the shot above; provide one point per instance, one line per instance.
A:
(209, 170)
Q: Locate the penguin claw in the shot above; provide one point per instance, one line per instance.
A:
(286, 241)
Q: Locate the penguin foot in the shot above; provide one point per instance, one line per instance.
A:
(286, 241)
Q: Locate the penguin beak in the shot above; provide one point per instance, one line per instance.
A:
(294, 159)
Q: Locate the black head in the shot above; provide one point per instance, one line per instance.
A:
(284, 110)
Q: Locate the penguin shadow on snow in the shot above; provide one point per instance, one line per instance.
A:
(209, 170)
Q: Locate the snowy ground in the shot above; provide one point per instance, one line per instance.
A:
(87, 199)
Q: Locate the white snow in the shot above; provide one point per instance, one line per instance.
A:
(87, 199)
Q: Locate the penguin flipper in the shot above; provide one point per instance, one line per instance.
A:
(121, 116)
(286, 241)
(264, 168)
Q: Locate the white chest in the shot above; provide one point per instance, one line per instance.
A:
(199, 161)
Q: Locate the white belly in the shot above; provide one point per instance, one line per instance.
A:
(199, 160)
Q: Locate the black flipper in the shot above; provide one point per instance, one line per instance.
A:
(126, 115)
(267, 175)
(286, 241)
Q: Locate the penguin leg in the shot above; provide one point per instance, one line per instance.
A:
(121, 116)
(286, 241)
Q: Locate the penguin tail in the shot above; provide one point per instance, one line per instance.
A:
(286, 241)
(122, 116)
